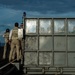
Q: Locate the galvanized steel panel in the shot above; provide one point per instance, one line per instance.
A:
(45, 26)
(71, 59)
(31, 43)
(45, 43)
(59, 26)
(54, 48)
(71, 43)
(59, 59)
(45, 58)
(30, 58)
(71, 26)
(60, 43)
(31, 25)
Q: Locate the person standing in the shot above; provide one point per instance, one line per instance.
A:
(21, 38)
(15, 43)
(7, 45)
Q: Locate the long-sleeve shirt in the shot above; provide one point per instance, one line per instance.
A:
(20, 34)
(10, 35)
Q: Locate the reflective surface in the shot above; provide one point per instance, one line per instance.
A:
(31, 26)
(59, 26)
(45, 26)
(71, 26)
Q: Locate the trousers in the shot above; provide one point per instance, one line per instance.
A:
(15, 49)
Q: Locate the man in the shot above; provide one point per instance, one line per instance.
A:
(13, 37)
(21, 38)
(6, 46)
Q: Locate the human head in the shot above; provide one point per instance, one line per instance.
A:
(21, 26)
(16, 24)
(7, 30)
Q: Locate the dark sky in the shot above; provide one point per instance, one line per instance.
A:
(11, 10)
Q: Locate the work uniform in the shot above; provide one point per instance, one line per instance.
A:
(21, 38)
(14, 44)
(6, 46)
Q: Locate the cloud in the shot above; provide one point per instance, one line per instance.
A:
(9, 16)
(49, 14)
(11, 10)
(42, 6)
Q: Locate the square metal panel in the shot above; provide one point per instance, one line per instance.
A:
(30, 58)
(45, 43)
(71, 59)
(60, 59)
(59, 26)
(71, 43)
(31, 26)
(60, 43)
(45, 58)
(31, 43)
(45, 26)
(49, 39)
(71, 26)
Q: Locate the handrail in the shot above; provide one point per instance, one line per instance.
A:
(7, 64)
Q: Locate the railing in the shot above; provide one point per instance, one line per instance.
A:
(7, 64)
(4, 69)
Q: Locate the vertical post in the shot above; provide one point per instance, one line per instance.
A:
(24, 32)
(24, 16)
(24, 27)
